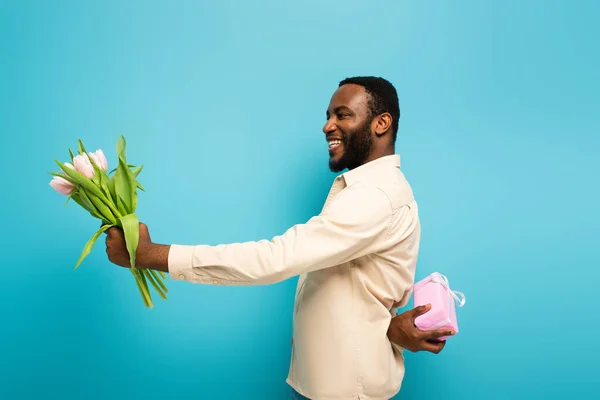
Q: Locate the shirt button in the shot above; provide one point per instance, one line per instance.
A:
(181, 276)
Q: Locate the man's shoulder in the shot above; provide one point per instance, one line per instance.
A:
(395, 188)
(366, 195)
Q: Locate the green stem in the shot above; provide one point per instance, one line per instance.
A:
(151, 280)
(158, 280)
(143, 288)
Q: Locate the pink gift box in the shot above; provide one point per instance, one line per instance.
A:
(435, 290)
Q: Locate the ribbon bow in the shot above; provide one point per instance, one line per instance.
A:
(458, 296)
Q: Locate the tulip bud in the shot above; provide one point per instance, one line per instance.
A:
(62, 186)
(100, 159)
(83, 165)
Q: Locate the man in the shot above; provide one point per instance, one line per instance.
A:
(355, 260)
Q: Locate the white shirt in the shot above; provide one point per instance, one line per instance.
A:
(356, 261)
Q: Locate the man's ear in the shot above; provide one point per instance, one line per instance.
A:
(383, 123)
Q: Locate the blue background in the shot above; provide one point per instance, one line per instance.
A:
(223, 102)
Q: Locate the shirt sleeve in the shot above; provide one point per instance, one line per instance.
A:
(356, 223)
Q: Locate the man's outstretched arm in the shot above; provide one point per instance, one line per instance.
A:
(356, 223)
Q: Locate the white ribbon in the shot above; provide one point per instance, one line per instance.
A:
(458, 296)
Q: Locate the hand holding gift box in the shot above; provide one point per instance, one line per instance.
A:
(435, 290)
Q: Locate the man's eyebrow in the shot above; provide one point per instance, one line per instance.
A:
(338, 109)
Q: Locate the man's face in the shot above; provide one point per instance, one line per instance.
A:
(348, 128)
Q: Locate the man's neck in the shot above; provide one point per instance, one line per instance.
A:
(379, 154)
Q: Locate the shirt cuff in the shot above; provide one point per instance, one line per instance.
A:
(181, 262)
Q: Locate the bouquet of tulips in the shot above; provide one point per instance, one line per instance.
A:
(111, 199)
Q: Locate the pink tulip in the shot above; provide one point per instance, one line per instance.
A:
(62, 186)
(83, 165)
(99, 159)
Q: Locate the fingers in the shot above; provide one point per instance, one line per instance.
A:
(113, 234)
(114, 230)
(144, 234)
(432, 335)
(110, 232)
(420, 310)
(433, 347)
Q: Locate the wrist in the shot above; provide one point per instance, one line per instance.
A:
(396, 333)
(392, 332)
(155, 256)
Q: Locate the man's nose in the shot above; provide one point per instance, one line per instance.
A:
(329, 127)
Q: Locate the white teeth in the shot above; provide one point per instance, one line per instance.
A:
(334, 142)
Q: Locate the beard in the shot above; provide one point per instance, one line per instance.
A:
(356, 148)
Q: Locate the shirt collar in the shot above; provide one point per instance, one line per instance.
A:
(372, 169)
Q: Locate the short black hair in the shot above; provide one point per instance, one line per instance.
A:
(383, 98)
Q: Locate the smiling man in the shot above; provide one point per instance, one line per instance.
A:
(355, 260)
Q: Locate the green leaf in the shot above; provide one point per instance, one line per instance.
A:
(108, 216)
(121, 205)
(90, 244)
(132, 182)
(106, 189)
(81, 147)
(111, 188)
(72, 155)
(125, 182)
(96, 207)
(136, 172)
(133, 189)
(77, 199)
(131, 230)
(86, 203)
(69, 197)
(114, 169)
(122, 188)
(121, 147)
